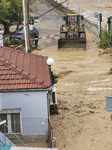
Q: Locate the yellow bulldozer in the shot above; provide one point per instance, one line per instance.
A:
(72, 33)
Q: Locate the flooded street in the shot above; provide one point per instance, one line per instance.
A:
(83, 84)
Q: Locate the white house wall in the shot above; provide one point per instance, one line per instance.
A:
(32, 104)
(34, 110)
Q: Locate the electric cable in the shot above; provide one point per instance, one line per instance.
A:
(51, 9)
(39, 16)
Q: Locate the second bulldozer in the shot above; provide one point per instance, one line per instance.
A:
(72, 33)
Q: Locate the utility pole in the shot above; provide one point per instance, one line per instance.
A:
(68, 5)
(79, 6)
(99, 18)
(26, 25)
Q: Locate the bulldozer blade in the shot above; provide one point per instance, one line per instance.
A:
(72, 43)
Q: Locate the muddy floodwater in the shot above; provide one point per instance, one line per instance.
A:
(84, 82)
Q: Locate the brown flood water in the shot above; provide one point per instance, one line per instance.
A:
(84, 81)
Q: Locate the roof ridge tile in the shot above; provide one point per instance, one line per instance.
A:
(19, 69)
(13, 66)
(36, 76)
(25, 73)
(7, 62)
(22, 72)
(38, 80)
(2, 59)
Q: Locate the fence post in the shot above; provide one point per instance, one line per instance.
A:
(50, 134)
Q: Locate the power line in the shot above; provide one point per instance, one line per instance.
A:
(45, 12)
(39, 16)
(51, 9)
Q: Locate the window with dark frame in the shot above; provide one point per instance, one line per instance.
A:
(15, 122)
(3, 128)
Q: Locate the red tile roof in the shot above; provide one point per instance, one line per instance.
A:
(20, 70)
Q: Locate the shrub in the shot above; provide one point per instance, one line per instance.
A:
(106, 39)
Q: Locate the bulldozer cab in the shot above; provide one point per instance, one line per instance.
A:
(72, 33)
(72, 19)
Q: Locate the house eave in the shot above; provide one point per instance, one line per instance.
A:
(27, 90)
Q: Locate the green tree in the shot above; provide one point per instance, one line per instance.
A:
(9, 12)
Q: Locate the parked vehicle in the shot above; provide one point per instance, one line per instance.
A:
(20, 35)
